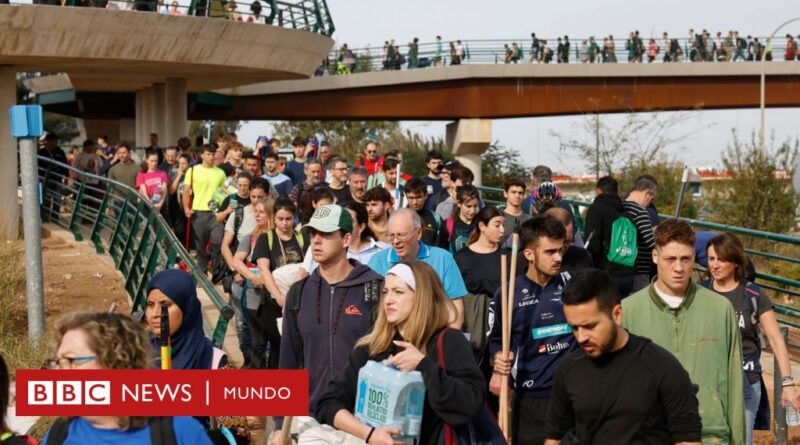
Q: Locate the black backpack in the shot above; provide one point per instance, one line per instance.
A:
(372, 296)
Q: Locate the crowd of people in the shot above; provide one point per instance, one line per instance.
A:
(698, 46)
(331, 262)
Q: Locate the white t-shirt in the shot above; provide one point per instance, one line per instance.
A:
(671, 301)
(247, 226)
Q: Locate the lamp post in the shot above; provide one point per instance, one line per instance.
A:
(763, 86)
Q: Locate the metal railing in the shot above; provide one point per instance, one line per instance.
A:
(494, 51)
(118, 221)
(777, 284)
(307, 15)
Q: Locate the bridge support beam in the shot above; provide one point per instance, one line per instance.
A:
(144, 99)
(468, 139)
(157, 112)
(9, 217)
(175, 112)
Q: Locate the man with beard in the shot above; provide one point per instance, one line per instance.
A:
(655, 405)
(540, 335)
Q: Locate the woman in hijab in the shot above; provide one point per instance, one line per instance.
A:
(176, 290)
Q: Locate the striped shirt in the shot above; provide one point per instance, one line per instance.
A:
(645, 241)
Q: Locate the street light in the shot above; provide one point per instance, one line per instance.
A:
(763, 87)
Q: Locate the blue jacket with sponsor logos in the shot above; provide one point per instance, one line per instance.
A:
(540, 335)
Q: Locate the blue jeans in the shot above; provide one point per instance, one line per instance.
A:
(752, 397)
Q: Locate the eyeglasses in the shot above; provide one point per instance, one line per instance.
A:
(69, 362)
(372, 151)
(397, 236)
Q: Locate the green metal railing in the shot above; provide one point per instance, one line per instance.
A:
(778, 284)
(119, 222)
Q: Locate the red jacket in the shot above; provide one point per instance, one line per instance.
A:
(372, 167)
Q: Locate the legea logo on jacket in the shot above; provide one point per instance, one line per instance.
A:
(551, 331)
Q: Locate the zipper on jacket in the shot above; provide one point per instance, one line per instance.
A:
(330, 325)
(677, 333)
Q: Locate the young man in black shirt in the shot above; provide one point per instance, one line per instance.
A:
(434, 231)
(619, 388)
(433, 180)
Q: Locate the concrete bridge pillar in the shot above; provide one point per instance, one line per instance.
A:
(175, 112)
(157, 112)
(8, 157)
(144, 99)
(468, 139)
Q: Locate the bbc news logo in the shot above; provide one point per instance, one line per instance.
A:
(75, 392)
(162, 393)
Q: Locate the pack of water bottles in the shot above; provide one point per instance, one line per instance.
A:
(388, 397)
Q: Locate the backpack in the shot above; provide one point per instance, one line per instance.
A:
(622, 247)
(372, 296)
(300, 235)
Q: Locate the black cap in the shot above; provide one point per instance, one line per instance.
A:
(451, 165)
(51, 137)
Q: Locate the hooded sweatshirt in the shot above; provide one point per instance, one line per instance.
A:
(600, 216)
(331, 319)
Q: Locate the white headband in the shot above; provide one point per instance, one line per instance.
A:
(403, 271)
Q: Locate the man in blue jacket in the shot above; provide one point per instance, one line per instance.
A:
(540, 335)
(338, 300)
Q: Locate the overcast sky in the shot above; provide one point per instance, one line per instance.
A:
(361, 23)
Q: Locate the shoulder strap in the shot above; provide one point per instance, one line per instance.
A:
(301, 238)
(238, 218)
(451, 222)
(59, 431)
(372, 296)
(270, 238)
(292, 308)
(751, 293)
(161, 431)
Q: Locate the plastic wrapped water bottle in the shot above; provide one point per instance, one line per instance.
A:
(792, 417)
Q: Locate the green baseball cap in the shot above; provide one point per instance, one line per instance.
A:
(330, 218)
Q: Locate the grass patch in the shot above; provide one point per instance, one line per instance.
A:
(14, 345)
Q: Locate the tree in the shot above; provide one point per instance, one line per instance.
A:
(346, 138)
(668, 173)
(200, 128)
(606, 147)
(759, 194)
(499, 163)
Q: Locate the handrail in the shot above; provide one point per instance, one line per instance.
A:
(280, 13)
(129, 228)
(768, 281)
(493, 51)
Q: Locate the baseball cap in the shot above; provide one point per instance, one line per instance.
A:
(451, 165)
(330, 218)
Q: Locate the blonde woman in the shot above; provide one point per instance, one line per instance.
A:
(262, 324)
(110, 341)
(415, 312)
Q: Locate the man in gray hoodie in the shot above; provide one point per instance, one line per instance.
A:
(338, 303)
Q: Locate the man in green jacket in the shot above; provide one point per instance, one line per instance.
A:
(698, 327)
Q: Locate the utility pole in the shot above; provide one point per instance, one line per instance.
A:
(26, 124)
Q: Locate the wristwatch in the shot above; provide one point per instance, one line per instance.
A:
(787, 381)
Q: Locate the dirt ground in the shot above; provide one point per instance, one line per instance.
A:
(76, 280)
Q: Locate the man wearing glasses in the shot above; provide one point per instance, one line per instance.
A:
(371, 161)
(405, 233)
(338, 180)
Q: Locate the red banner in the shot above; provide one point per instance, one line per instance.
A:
(162, 393)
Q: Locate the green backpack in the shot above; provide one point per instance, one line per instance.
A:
(622, 249)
